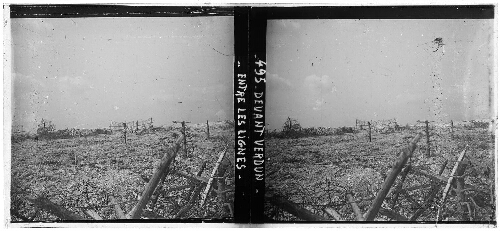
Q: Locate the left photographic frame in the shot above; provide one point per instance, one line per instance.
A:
(119, 113)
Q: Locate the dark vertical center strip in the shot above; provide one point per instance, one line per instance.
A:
(242, 91)
(258, 67)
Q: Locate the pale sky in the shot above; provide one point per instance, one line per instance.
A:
(86, 72)
(331, 72)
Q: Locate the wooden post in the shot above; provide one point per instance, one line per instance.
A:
(190, 204)
(492, 188)
(428, 138)
(125, 132)
(195, 182)
(336, 216)
(389, 180)
(430, 196)
(398, 188)
(183, 131)
(163, 168)
(118, 210)
(214, 171)
(49, 206)
(452, 176)
(93, 214)
(450, 181)
(427, 135)
(369, 131)
(159, 189)
(460, 192)
(193, 193)
(294, 209)
(221, 183)
(208, 130)
(443, 167)
(333, 213)
(355, 208)
(185, 141)
(451, 128)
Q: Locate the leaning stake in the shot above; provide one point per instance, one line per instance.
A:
(448, 185)
(214, 171)
(163, 168)
(294, 209)
(355, 208)
(452, 175)
(333, 213)
(57, 210)
(118, 210)
(396, 169)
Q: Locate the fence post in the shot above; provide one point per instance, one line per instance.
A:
(208, 130)
(185, 141)
(452, 128)
(370, 131)
(428, 138)
(125, 132)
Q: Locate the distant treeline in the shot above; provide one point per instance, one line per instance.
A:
(47, 131)
(292, 128)
(308, 132)
(59, 134)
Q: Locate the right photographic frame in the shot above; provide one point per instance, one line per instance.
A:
(381, 114)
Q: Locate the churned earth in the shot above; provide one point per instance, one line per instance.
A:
(82, 173)
(317, 172)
